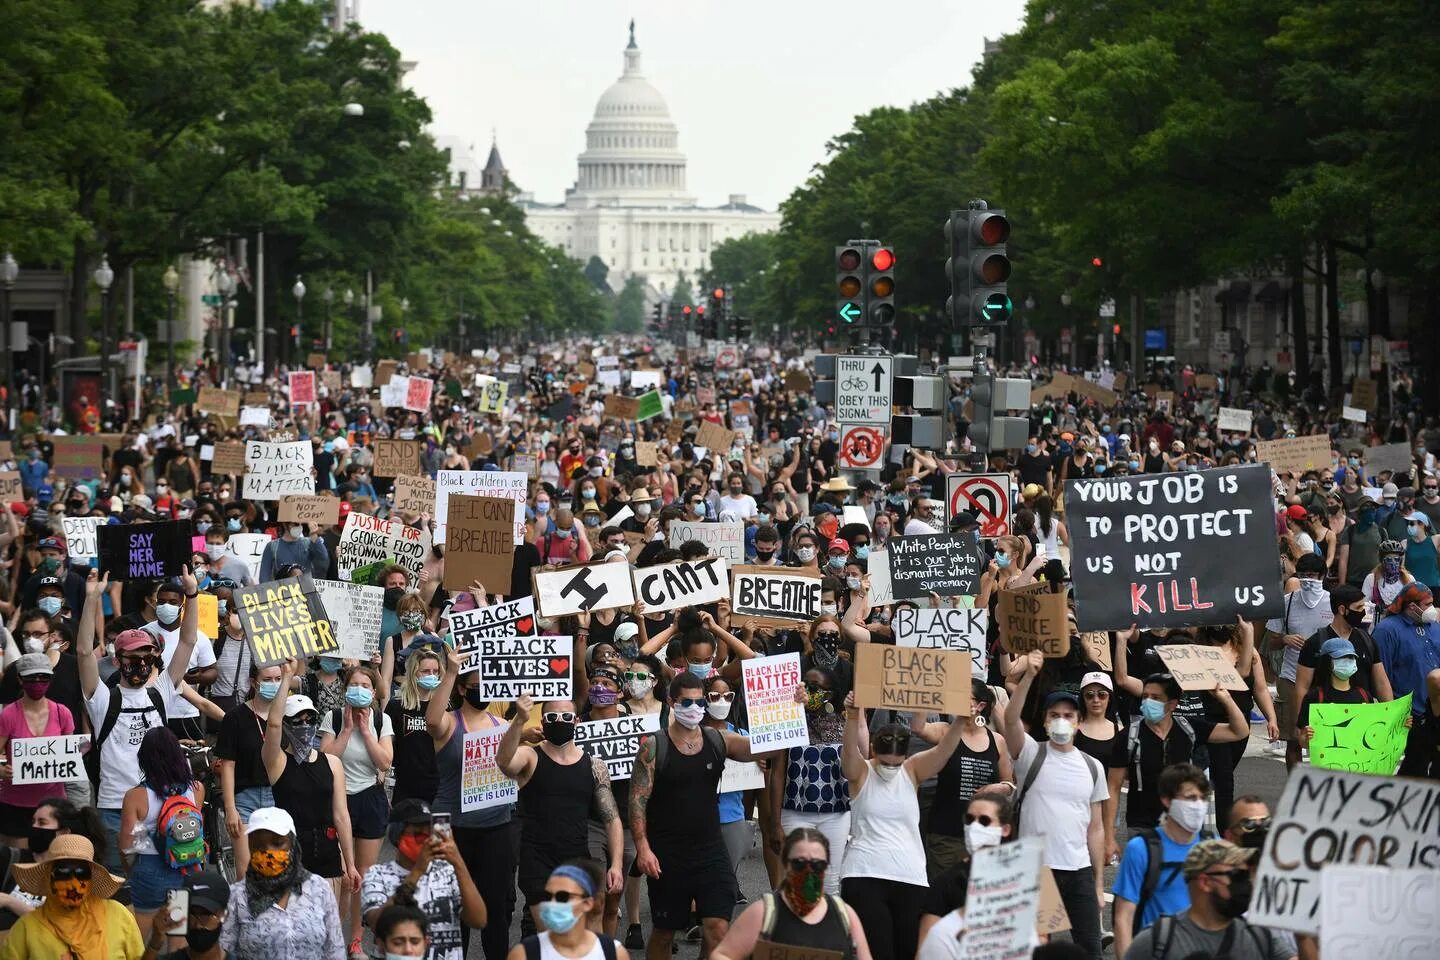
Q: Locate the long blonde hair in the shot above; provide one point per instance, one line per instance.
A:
(409, 690)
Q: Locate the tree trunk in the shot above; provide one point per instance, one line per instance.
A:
(1295, 269)
(1332, 322)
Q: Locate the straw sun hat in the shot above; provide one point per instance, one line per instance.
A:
(34, 878)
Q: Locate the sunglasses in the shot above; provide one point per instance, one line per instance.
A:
(70, 871)
(808, 864)
(1097, 694)
(565, 716)
(1227, 874)
(632, 675)
(984, 819)
(721, 697)
(560, 896)
(1250, 824)
(690, 702)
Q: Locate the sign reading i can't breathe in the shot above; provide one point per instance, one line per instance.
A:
(1174, 550)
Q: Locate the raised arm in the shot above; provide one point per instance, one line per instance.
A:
(514, 760)
(85, 649)
(438, 721)
(189, 628)
(1014, 729)
(852, 758)
(272, 751)
(929, 762)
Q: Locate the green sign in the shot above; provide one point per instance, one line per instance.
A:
(179, 398)
(211, 299)
(648, 405)
(1360, 737)
(849, 312)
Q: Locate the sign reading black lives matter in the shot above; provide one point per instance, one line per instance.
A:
(513, 619)
(284, 620)
(1174, 549)
(948, 564)
(617, 740)
(513, 667)
(945, 628)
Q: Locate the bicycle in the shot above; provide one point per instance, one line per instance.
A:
(221, 852)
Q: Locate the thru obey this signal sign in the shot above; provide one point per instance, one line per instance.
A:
(862, 389)
(987, 495)
(861, 447)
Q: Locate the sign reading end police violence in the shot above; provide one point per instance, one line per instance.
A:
(1174, 550)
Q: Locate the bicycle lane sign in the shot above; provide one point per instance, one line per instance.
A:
(863, 389)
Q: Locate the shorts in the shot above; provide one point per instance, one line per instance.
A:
(1287, 710)
(369, 813)
(110, 817)
(703, 877)
(600, 846)
(15, 821)
(320, 851)
(150, 880)
(250, 799)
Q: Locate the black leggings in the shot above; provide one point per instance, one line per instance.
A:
(1224, 758)
(489, 854)
(889, 911)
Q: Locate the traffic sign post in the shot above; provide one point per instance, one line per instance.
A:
(987, 495)
(863, 386)
(861, 447)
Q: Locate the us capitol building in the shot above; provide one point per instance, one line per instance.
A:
(629, 206)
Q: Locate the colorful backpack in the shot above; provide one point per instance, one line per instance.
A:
(180, 834)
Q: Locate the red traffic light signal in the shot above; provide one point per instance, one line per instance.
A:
(1115, 329)
(719, 293)
(685, 310)
(700, 309)
(1096, 262)
(883, 258)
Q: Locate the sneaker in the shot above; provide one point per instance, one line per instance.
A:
(634, 939)
(1106, 939)
(695, 934)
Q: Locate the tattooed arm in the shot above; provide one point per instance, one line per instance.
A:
(642, 783)
(610, 817)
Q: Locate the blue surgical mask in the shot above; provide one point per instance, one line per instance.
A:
(1134, 464)
(1099, 469)
(836, 562)
(1152, 710)
(862, 552)
(1031, 448)
(1002, 560)
(1416, 530)
(701, 670)
(202, 527)
(542, 507)
(233, 524)
(1344, 668)
(559, 917)
(428, 681)
(330, 664)
(222, 606)
(51, 605)
(269, 690)
(359, 697)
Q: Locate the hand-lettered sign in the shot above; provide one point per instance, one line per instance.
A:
(396, 458)
(688, 583)
(617, 740)
(54, 759)
(273, 470)
(284, 620)
(479, 542)
(143, 551)
(321, 510)
(777, 596)
(910, 679)
(1360, 737)
(1033, 618)
(1198, 667)
(482, 784)
(948, 564)
(721, 539)
(944, 628)
(585, 587)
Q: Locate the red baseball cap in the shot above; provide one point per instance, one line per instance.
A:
(839, 543)
(345, 509)
(1296, 512)
(134, 640)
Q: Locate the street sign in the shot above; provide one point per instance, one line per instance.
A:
(849, 312)
(211, 299)
(1107, 310)
(987, 495)
(861, 447)
(862, 389)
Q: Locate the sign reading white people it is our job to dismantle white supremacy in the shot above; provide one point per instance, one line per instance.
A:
(273, 470)
(1335, 817)
(513, 619)
(775, 595)
(688, 583)
(617, 740)
(1174, 549)
(515, 667)
(948, 564)
(587, 586)
(56, 759)
(945, 628)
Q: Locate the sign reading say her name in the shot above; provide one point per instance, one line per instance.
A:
(514, 667)
(273, 470)
(689, 583)
(777, 596)
(589, 586)
(945, 628)
(1174, 549)
(948, 564)
(513, 619)
(617, 740)
(721, 539)
(285, 619)
(143, 551)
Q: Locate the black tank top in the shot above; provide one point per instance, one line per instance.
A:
(1102, 750)
(965, 772)
(684, 810)
(304, 791)
(555, 806)
(828, 934)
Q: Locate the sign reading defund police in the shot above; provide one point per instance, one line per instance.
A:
(285, 619)
(1175, 549)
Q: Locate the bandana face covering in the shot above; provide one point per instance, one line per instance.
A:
(269, 863)
(70, 892)
(803, 888)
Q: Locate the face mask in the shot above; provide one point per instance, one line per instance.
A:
(701, 670)
(1152, 710)
(719, 710)
(602, 696)
(886, 772)
(269, 863)
(829, 608)
(202, 527)
(412, 621)
(642, 509)
(862, 552)
(1354, 461)
(1189, 815)
(70, 893)
(764, 555)
(300, 739)
(1416, 530)
(836, 563)
(805, 554)
(1031, 448)
(563, 534)
(1134, 464)
(427, 681)
(201, 940)
(588, 493)
(233, 524)
(689, 717)
(1061, 731)
(41, 838)
(542, 507)
(638, 689)
(35, 689)
(1239, 901)
(978, 836)
(803, 889)
(269, 690)
(559, 917)
(1390, 566)
(215, 550)
(411, 845)
(1354, 617)
(51, 606)
(558, 732)
(136, 672)
(1002, 560)
(852, 583)
(1344, 668)
(1431, 615)
(698, 509)
(167, 613)
(359, 697)
(1312, 589)
(472, 697)
(49, 565)
(296, 531)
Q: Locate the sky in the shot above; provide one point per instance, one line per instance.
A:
(756, 88)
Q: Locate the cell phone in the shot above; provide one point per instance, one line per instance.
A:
(440, 825)
(177, 907)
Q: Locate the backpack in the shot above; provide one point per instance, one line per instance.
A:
(180, 833)
(767, 922)
(1199, 752)
(107, 726)
(1165, 932)
(1091, 764)
(712, 737)
(1154, 854)
(532, 946)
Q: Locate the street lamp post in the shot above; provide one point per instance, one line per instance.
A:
(172, 285)
(329, 297)
(298, 291)
(9, 271)
(225, 286)
(104, 277)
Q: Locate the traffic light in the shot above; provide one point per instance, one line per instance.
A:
(880, 287)
(849, 286)
(657, 318)
(979, 268)
(719, 311)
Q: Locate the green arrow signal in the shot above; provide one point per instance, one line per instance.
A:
(996, 308)
(849, 312)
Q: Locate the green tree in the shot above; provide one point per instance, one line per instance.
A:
(630, 306)
(683, 294)
(597, 273)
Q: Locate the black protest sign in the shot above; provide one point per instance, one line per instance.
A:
(617, 740)
(947, 564)
(1174, 549)
(143, 551)
(513, 619)
(670, 586)
(775, 596)
(284, 620)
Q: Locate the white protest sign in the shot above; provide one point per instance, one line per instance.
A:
(361, 376)
(1354, 414)
(594, 586)
(80, 538)
(945, 628)
(645, 379)
(739, 775)
(617, 740)
(513, 619)
(367, 540)
(355, 610)
(1001, 900)
(254, 416)
(777, 722)
(48, 759)
(854, 514)
(249, 547)
(877, 565)
(1374, 911)
(490, 483)
(393, 393)
(1234, 420)
(273, 470)
(513, 667)
(670, 586)
(482, 784)
(721, 539)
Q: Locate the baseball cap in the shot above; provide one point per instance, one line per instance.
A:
(1215, 853)
(142, 501)
(1418, 517)
(1058, 695)
(1389, 491)
(345, 509)
(1296, 512)
(1095, 676)
(51, 543)
(1337, 647)
(34, 664)
(963, 519)
(839, 543)
(134, 639)
(297, 704)
(273, 819)
(1031, 490)
(626, 631)
(411, 810)
(208, 890)
(51, 581)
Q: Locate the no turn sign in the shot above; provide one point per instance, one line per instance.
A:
(987, 495)
(862, 389)
(861, 448)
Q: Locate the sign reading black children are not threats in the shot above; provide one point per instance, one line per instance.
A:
(285, 619)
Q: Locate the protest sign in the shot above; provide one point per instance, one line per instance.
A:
(881, 592)
(1359, 737)
(648, 405)
(302, 387)
(948, 564)
(273, 470)
(721, 539)
(367, 540)
(479, 542)
(1398, 458)
(590, 586)
(482, 784)
(224, 402)
(396, 458)
(143, 551)
(417, 394)
(1234, 420)
(738, 776)
(413, 495)
(1051, 917)
(1363, 394)
(617, 740)
(255, 417)
(621, 408)
(249, 547)
(355, 610)
(394, 391)
(1354, 414)
(644, 378)
(1332, 817)
(1379, 911)
(384, 372)
(1198, 667)
(907, 678)
(1033, 618)
(207, 607)
(712, 436)
(56, 759)
(11, 488)
(77, 458)
(229, 458)
(945, 628)
(80, 537)
(766, 950)
(285, 619)
(323, 511)
(1001, 900)
(492, 397)
(315, 361)
(1175, 549)
(777, 722)
(1097, 648)
(688, 583)
(1295, 455)
(491, 483)
(509, 668)
(776, 596)
(647, 453)
(513, 619)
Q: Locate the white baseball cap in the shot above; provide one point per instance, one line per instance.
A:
(297, 704)
(274, 819)
(626, 631)
(1095, 676)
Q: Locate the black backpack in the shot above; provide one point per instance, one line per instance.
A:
(1154, 855)
(1165, 932)
(107, 726)
(532, 946)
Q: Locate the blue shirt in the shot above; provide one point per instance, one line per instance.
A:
(1170, 895)
(1409, 651)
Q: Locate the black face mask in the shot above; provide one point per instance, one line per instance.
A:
(765, 554)
(136, 672)
(1355, 617)
(1239, 901)
(392, 597)
(40, 838)
(472, 697)
(202, 940)
(558, 732)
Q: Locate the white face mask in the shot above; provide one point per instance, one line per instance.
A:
(886, 772)
(638, 689)
(805, 554)
(829, 609)
(718, 711)
(1189, 815)
(978, 836)
(1061, 731)
(297, 531)
(1431, 615)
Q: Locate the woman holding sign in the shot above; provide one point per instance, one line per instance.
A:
(33, 716)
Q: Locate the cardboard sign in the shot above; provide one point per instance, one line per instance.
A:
(945, 628)
(512, 667)
(688, 583)
(621, 408)
(224, 402)
(1174, 549)
(797, 381)
(80, 537)
(285, 619)
(77, 458)
(1295, 456)
(765, 950)
(355, 610)
(143, 551)
(912, 680)
(647, 453)
(367, 541)
(491, 483)
(714, 437)
(721, 539)
(479, 542)
(1097, 648)
(513, 619)
(617, 740)
(255, 417)
(417, 394)
(302, 387)
(1002, 899)
(1328, 817)
(1033, 618)
(590, 586)
(948, 564)
(1198, 667)
(1364, 395)
(273, 470)
(413, 494)
(1379, 911)
(1398, 458)
(385, 372)
(482, 785)
(321, 510)
(1234, 420)
(229, 458)
(1051, 917)
(315, 361)
(1359, 737)
(396, 458)
(777, 722)
(775, 596)
(11, 488)
(57, 759)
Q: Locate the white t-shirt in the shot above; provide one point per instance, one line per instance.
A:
(360, 772)
(119, 757)
(915, 526)
(742, 506)
(1058, 803)
(202, 655)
